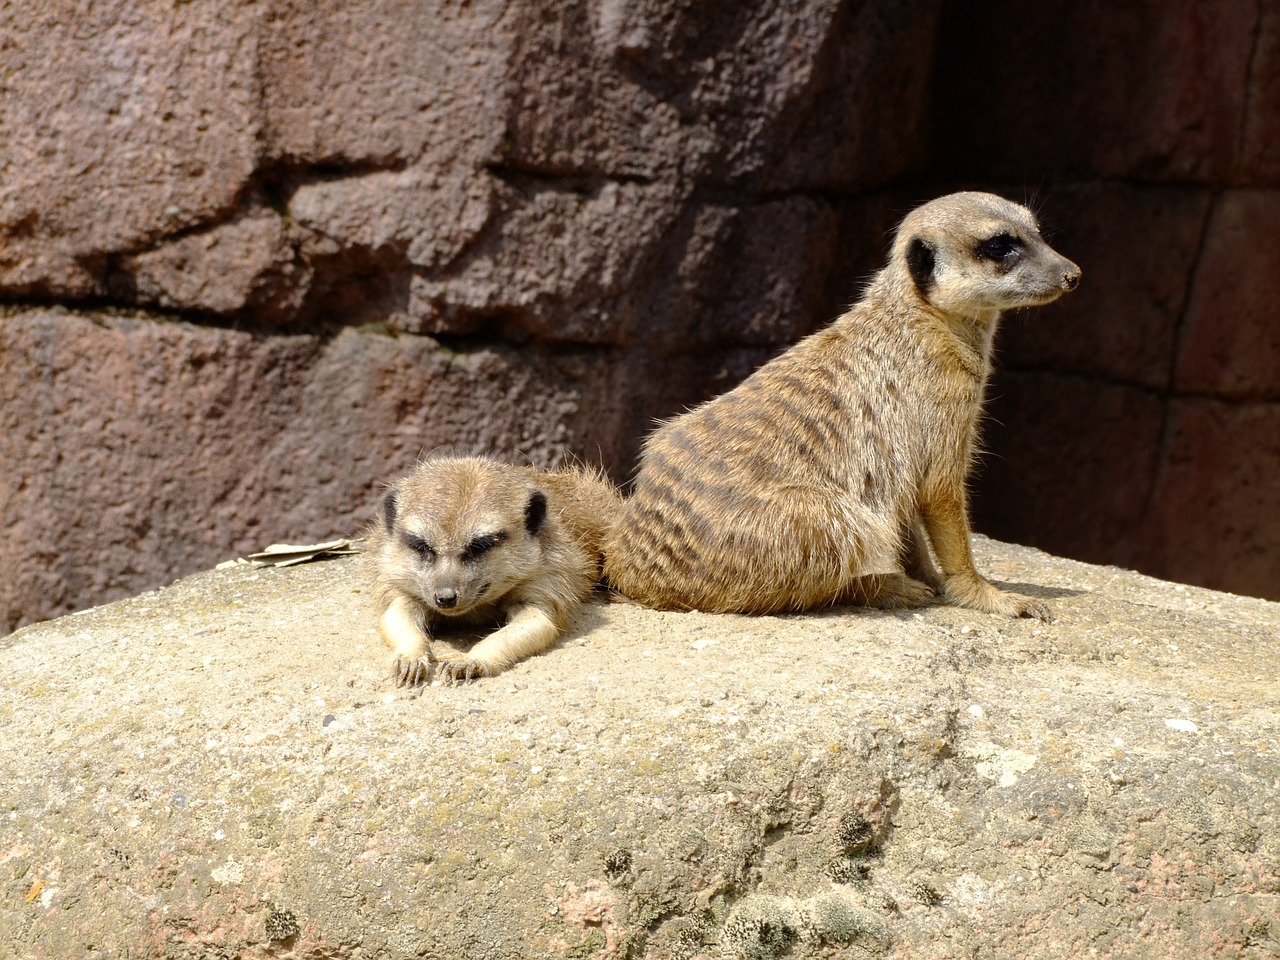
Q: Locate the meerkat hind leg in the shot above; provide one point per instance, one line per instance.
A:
(888, 591)
(402, 629)
(916, 560)
(529, 630)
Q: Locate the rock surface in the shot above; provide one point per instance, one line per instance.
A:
(221, 768)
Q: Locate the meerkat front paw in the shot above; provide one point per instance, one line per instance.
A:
(412, 671)
(462, 671)
(1030, 607)
(977, 594)
(1016, 605)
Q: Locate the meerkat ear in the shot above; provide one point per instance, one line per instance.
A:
(535, 512)
(921, 260)
(390, 509)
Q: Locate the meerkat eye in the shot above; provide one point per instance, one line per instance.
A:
(999, 248)
(420, 547)
(478, 547)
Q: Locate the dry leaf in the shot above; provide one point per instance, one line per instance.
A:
(287, 554)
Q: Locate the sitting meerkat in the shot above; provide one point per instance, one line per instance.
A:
(824, 477)
(473, 541)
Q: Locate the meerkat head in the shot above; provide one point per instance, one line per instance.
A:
(460, 532)
(974, 255)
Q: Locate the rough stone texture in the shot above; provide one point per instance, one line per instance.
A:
(1230, 346)
(1240, 499)
(120, 129)
(221, 768)
(245, 264)
(618, 208)
(1157, 91)
(558, 145)
(1260, 150)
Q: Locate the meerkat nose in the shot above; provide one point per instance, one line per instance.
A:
(1071, 278)
(446, 597)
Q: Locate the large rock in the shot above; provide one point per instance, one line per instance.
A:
(222, 768)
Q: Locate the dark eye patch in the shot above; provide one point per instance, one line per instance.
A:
(921, 260)
(420, 547)
(535, 512)
(478, 547)
(999, 248)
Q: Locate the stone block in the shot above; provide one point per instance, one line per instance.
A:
(763, 96)
(244, 267)
(122, 126)
(1260, 149)
(1137, 246)
(1230, 345)
(382, 84)
(1148, 90)
(1069, 466)
(1215, 514)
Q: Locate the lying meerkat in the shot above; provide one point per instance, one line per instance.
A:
(473, 541)
(823, 477)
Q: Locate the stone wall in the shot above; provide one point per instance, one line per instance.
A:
(258, 258)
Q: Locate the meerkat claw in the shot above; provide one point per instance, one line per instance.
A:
(463, 671)
(412, 671)
(1037, 610)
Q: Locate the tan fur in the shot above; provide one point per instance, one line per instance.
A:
(825, 476)
(544, 530)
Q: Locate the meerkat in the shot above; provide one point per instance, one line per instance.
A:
(473, 541)
(826, 476)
